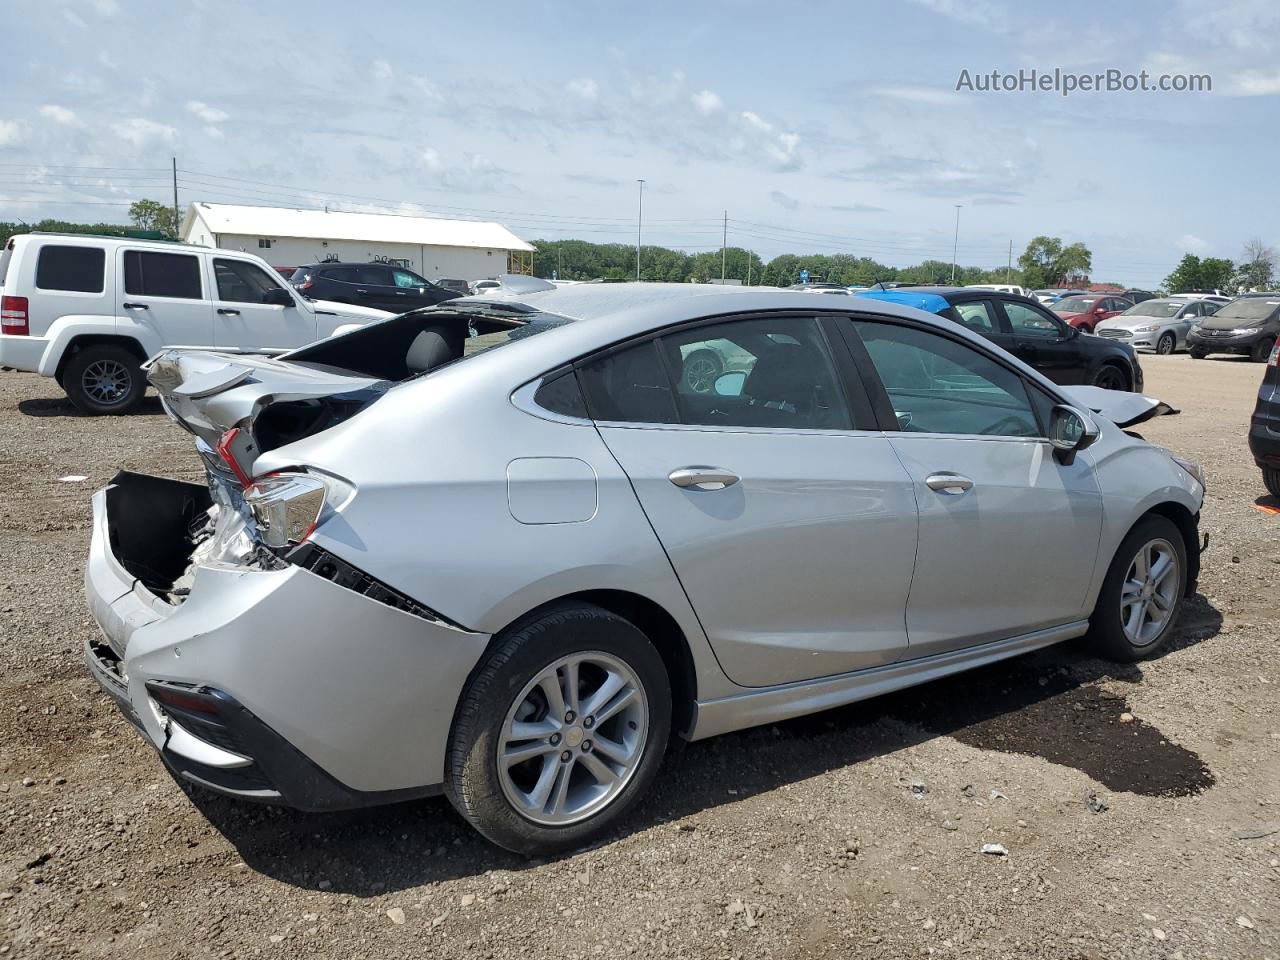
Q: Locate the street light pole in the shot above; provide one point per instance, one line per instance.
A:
(639, 222)
(955, 247)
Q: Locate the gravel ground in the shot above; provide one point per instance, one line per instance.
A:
(1139, 807)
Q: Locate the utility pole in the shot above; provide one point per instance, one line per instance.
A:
(724, 245)
(176, 225)
(955, 246)
(1008, 270)
(639, 221)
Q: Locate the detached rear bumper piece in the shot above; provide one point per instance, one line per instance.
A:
(270, 685)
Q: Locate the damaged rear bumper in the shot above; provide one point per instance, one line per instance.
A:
(272, 685)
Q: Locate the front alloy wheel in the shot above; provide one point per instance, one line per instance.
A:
(1141, 596)
(1150, 593)
(573, 738)
(1166, 344)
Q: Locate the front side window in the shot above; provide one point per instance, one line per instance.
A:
(176, 275)
(936, 385)
(241, 282)
(78, 269)
(1030, 322)
(407, 278)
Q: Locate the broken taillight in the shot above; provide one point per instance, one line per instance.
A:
(286, 507)
(229, 458)
(14, 316)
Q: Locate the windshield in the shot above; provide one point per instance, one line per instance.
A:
(1154, 308)
(1074, 304)
(1249, 308)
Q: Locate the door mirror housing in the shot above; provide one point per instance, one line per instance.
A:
(278, 297)
(1070, 431)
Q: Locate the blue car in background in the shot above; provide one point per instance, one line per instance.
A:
(1033, 334)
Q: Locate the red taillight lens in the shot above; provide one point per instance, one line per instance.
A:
(229, 458)
(181, 699)
(305, 284)
(1274, 359)
(14, 318)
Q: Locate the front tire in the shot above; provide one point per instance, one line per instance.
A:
(1198, 354)
(1261, 351)
(1271, 478)
(560, 731)
(1141, 596)
(1167, 343)
(104, 380)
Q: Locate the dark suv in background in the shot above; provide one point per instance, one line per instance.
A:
(379, 285)
(1035, 335)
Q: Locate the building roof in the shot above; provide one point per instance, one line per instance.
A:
(373, 227)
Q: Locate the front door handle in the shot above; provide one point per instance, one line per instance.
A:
(135, 306)
(703, 478)
(228, 312)
(950, 483)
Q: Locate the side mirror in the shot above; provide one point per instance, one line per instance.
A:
(1099, 310)
(278, 297)
(730, 384)
(1070, 431)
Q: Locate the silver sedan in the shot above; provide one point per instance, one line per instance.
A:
(1160, 325)
(508, 549)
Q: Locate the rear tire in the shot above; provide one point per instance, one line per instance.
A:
(1262, 350)
(103, 380)
(1166, 344)
(1271, 478)
(1198, 354)
(1142, 594)
(570, 788)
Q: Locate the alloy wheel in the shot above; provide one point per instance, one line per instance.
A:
(107, 381)
(1149, 594)
(700, 373)
(1165, 345)
(573, 738)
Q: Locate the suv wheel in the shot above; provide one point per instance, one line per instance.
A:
(560, 731)
(1110, 377)
(104, 379)
(1142, 595)
(1262, 350)
(1271, 477)
(1166, 344)
(701, 369)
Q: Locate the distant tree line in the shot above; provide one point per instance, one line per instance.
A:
(1255, 271)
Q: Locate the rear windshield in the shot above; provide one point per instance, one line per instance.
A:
(1074, 304)
(1153, 308)
(1249, 308)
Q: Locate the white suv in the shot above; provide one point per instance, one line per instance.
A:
(90, 310)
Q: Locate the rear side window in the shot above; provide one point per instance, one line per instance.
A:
(629, 386)
(561, 395)
(148, 274)
(79, 269)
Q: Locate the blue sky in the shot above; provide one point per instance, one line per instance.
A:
(831, 127)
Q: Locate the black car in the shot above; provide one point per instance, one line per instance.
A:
(1032, 333)
(1264, 428)
(379, 285)
(1138, 296)
(1248, 325)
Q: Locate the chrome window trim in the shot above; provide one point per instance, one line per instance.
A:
(522, 399)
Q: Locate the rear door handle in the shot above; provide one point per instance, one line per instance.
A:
(703, 478)
(949, 483)
(228, 312)
(135, 306)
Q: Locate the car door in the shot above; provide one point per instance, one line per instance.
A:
(982, 317)
(164, 293)
(1008, 535)
(411, 291)
(1188, 317)
(1043, 341)
(243, 320)
(786, 514)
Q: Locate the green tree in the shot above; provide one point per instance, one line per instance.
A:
(1046, 262)
(1186, 275)
(150, 215)
(1216, 273)
(1256, 270)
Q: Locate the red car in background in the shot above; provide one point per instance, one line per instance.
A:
(1085, 311)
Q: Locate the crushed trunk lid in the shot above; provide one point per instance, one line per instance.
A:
(1122, 408)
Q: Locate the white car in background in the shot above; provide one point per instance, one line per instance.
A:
(89, 310)
(1000, 288)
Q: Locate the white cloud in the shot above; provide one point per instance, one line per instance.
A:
(977, 12)
(382, 70)
(105, 8)
(754, 121)
(213, 133)
(921, 95)
(1189, 241)
(1255, 83)
(74, 19)
(707, 102)
(140, 131)
(583, 87)
(430, 158)
(60, 115)
(12, 132)
(205, 112)
(784, 201)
